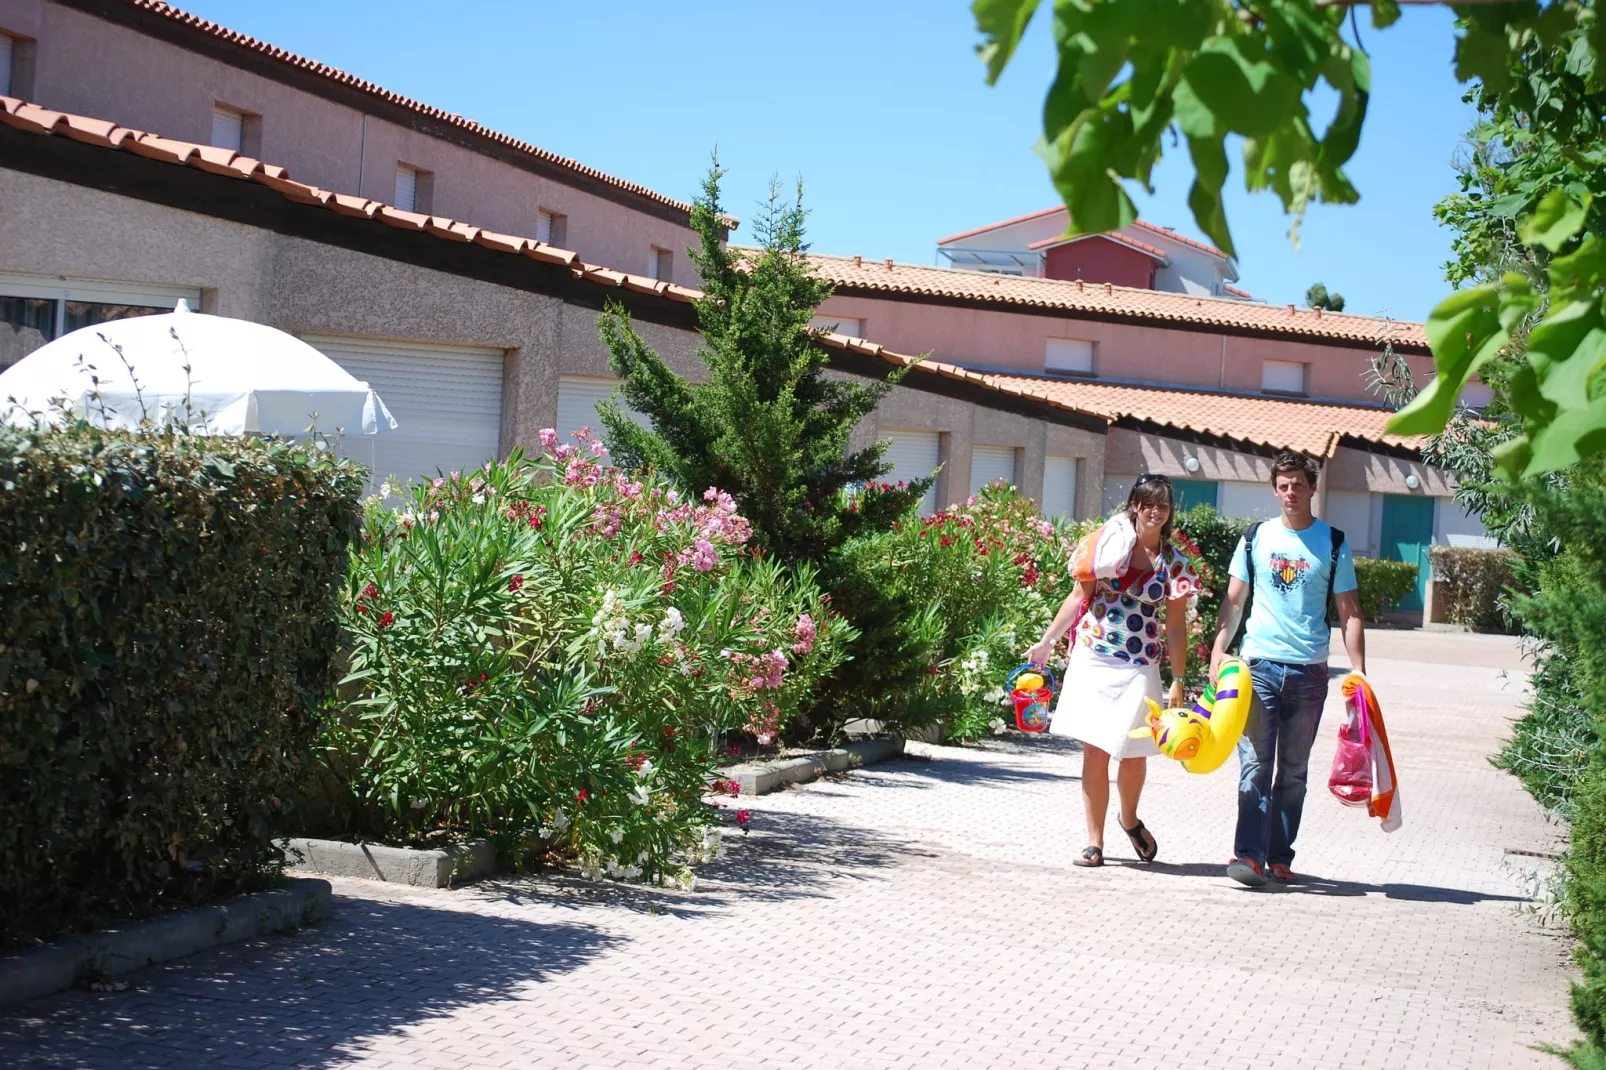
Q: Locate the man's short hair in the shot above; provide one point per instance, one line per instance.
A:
(1288, 462)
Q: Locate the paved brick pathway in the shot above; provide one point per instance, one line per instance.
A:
(923, 914)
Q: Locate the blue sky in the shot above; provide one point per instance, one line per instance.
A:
(880, 106)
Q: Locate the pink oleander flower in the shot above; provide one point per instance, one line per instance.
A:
(804, 632)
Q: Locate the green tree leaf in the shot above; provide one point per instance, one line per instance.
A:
(1555, 220)
(1002, 22)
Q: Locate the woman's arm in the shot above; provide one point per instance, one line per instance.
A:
(1039, 652)
(1176, 645)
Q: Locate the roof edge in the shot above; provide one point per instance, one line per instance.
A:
(242, 51)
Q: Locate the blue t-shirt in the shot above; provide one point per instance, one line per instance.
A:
(1288, 613)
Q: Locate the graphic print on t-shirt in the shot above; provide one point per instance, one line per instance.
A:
(1288, 573)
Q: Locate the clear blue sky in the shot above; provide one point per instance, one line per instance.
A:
(880, 106)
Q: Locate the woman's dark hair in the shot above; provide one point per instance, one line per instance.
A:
(1153, 489)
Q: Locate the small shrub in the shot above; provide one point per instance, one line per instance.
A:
(1382, 584)
(1472, 584)
(546, 651)
(983, 580)
(168, 631)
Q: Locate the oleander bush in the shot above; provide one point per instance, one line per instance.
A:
(554, 654)
(169, 627)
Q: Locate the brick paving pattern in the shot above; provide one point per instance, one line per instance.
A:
(923, 913)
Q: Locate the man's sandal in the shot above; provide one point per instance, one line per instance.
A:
(1143, 842)
(1091, 856)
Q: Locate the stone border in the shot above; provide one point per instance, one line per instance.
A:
(761, 778)
(63, 963)
(419, 867)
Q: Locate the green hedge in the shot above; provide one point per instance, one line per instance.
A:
(168, 629)
(1472, 585)
(1382, 584)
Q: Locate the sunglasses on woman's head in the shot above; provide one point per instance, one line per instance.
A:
(1152, 477)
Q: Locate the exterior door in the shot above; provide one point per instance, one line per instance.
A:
(1407, 534)
(1192, 492)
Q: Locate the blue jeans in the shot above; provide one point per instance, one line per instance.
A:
(1282, 726)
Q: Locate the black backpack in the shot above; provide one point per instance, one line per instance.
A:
(1249, 561)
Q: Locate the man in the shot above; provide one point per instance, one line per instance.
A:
(1288, 566)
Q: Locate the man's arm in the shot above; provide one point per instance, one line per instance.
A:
(1354, 626)
(1232, 613)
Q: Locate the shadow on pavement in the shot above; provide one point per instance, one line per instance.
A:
(786, 856)
(968, 771)
(303, 1001)
(1312, 885)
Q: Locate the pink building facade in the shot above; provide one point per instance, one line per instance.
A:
(144, 66)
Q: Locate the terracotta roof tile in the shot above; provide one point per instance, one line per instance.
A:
(1167, 232)
(502, 243)
(1284, 423)
(90, 131)
(340, 77)
(216, 160)
(402, 219)
(1119, 239)
(1236, 292)
(1122, 302)
(1303, 425)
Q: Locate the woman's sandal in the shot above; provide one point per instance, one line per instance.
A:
(1091, 856)
(1138, 834)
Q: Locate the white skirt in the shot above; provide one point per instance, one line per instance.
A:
(1103, 699)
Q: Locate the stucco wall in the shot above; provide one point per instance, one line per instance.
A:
(91, 67)
(1018, 340)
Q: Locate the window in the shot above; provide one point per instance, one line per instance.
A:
(1059, 486)
(991, 464)
(551, 227)
(848, 325)
(236, 130)
(660, 264)
(35, 310)
(228, 128)
(1071, 355)
(8, 50)
(1282, 377)
(413, 188)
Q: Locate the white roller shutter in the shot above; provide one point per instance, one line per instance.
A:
(447, 401)
(228, 128)
(577, 406)
(406, 188)
(5, 64)
(1059, 487)
(989, 464)
(914, 455)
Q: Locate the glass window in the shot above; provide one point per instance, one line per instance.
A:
(26, 323)
(89, 313)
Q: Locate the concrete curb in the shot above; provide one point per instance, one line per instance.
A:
(761, 778)
(421, 868)
(63, 963)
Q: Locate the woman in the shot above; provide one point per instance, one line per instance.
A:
(1128, 578)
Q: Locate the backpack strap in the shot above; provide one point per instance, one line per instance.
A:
(1249, 566)
(1332, 572)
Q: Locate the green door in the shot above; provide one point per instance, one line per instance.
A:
(1407, 534)
(1192, 492)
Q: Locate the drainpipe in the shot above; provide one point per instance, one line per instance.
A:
(1223, 383)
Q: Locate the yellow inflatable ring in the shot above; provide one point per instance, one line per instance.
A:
(1201, 738)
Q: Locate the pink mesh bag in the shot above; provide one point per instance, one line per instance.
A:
(1351, 779)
